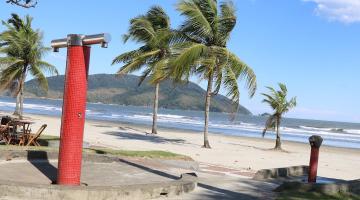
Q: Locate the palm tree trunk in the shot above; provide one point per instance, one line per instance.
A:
(278, 140)
(17, 107)
(155, 112)
(21, 93)
(21, 102)
(207, 111)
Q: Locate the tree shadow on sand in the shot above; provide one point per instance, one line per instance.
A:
(148, 138)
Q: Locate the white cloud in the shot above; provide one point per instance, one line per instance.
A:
(346, 11)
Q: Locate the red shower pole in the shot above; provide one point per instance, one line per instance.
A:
(87, 50)
(315, 143)
(74, 104)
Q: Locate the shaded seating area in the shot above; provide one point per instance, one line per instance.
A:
(18, 132)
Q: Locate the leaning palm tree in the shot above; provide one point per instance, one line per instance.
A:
(277, 100)
(153, 31)
(23, 50)
(16, 22)
(200, 48)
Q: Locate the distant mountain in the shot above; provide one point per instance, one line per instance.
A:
(109, 89)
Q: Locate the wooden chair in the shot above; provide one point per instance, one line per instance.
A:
(3, 132)
(33, 137)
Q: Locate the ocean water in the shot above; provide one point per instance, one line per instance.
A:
(339, 134)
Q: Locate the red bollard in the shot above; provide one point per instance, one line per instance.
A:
(74, 104)
(315, 143)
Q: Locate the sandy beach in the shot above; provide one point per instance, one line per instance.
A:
(241, 153)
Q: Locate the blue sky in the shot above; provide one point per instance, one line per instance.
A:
(313, 46)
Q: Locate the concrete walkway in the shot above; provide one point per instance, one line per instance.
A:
(218, 182)
(217, 187)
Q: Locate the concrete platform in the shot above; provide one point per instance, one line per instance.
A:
(33, 177)
(213, 182)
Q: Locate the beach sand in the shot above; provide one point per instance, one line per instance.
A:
(240, 153)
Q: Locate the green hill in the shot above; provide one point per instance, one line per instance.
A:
(109, 89)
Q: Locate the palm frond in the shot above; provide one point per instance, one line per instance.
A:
(128, 56)
(197, 18)
(218, 82)
(40, 77)
(283, 88)
(141, 30)
(8, 61)
(131, 67)
(243, 71)
(227, 20)
(158, 17)
(231, 85)
(137, 62)
(159, 71)
(8, 75)
(46, 67)
(144, 75)
(188, 55)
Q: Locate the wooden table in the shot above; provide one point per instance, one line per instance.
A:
(21, 136)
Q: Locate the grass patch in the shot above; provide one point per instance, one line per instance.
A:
(44, 140)
(106, 151)
(49, 137)
(25, 148)
(142, 154)
(291, 195)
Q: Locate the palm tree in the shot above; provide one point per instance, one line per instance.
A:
(200, 48)
(152, 30)
(23, 50)
(277, 101)
(17, 23)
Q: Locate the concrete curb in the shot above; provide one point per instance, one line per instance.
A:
(328, 188)
(281, 172)
(127, 192)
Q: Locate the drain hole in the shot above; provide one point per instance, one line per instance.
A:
(163, 194)
(84, 184)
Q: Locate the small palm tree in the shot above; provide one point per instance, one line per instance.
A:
(200, 49)
(277, 101)
(23, 50)
(153, 31)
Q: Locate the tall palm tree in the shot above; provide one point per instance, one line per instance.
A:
(152, 30)
(200, 48)
(23, 50)
(278, 102)
(17, 23)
